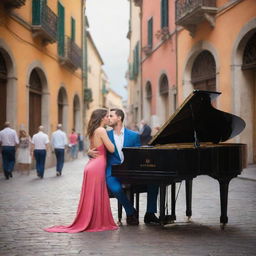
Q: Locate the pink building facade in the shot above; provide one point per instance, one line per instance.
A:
(158, 60)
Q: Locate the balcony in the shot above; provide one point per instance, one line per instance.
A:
(189, 13)
(72, 57)
(13, 3)
(44, 22)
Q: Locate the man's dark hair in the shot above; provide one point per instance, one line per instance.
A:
(118, 112)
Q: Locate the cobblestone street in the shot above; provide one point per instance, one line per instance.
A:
(28, 204)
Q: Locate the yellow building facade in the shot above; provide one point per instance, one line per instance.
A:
(95, 76)
(41, 80)
(134, 101)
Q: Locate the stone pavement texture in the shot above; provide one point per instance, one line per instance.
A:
(28, 204)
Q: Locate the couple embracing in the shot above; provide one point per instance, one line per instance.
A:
(94, 212)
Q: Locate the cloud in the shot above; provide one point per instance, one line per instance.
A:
(108, 21)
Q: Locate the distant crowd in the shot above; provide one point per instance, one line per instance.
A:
(21, 148)
(37, 147)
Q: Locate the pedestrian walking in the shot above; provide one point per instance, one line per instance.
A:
(40, 143)
(80, 139)
(73, 143)
(24, 152)
(59, 142)
(8, 140)
(145, 133)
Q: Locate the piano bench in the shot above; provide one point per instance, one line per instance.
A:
(130, 191)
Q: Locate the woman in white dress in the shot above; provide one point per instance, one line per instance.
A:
(24, 154)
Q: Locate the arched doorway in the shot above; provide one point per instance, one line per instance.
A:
(164, 98)
(249, 94)
(244, 85)
(76, 114)
(148, 101)
(62, 108)
(35, 102)
(3, 90)
(8, 86)
(203, 75)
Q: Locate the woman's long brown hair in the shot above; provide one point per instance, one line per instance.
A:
(95, 120)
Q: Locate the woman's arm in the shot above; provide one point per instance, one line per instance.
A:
(106, 141)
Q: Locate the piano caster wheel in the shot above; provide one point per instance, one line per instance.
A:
(222, 226)
(119, 223)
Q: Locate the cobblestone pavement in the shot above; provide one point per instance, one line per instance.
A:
(28, 204)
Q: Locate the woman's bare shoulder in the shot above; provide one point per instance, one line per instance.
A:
(100, 130)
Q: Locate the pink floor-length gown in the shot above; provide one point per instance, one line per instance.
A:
(94, 212)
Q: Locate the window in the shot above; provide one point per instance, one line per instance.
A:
(150, 32)
(164, 14)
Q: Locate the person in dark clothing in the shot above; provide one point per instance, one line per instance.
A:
(145, 133)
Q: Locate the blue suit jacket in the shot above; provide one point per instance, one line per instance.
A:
(131, 139)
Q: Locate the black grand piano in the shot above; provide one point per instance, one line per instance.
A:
(189, 144)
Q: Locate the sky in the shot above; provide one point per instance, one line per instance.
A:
(108, 25)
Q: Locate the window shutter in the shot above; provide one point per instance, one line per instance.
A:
(37, 7)
(73, 29)
(61, 29)
(150, 32)
(136, 59)
(164, 13)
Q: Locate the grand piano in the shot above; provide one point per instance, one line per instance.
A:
(189, 144)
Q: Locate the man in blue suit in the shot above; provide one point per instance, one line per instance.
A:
(122, 137)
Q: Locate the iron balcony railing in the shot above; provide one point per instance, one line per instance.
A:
(185, 7)
(44, 21)
(13, 3)
(72, 54)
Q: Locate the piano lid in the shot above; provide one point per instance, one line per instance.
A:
(197, 120)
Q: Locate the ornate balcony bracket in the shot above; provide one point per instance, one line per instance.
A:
(210, 18)
(191, 29)
(147, 50)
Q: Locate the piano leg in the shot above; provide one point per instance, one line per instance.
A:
(162, 204)
(119, 213)
(224, 184)
(173, 198)
(189, 198)
(137, 203)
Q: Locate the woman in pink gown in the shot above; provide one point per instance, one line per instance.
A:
(94, 212)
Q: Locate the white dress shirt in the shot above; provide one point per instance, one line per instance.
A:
(59, 139)
(40, 140)
(119, 140)
(8, 137)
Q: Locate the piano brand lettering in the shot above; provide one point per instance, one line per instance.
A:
(148, 163)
